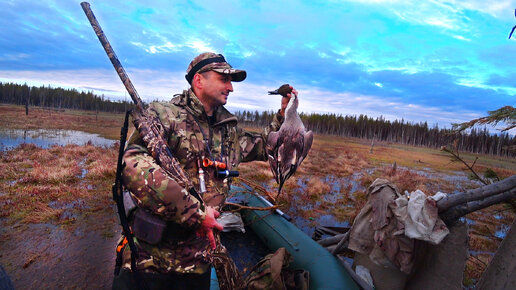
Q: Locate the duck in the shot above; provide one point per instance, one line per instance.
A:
(289, 146)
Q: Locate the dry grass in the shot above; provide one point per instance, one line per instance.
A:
(102, 165)
(39, 185)
(66, 171)
(316, 187)
(42, 213)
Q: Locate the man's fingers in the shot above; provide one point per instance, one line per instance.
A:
(216, 214)
(218, 226)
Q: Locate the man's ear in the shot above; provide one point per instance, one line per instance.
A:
(197, 81)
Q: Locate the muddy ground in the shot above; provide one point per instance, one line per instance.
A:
(47, 256)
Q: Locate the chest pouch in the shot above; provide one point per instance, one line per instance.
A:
(148, 227)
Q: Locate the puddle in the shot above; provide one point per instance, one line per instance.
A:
(459, 179)
(469, 221)
(71, 210)
(477, 253)
(10, 138)
(339, 186)
(12, 182)
(84, 171)
(502, 230)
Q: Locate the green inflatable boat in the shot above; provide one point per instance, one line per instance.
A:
(275, 231)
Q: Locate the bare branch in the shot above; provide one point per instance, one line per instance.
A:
(458, 158)
(258, 187)
(240, 207)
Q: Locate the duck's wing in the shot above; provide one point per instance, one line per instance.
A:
(308, 138)
(272, 149)
(296, 149)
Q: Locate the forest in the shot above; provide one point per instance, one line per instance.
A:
(49, 97)
(476, 140)
(397, 131)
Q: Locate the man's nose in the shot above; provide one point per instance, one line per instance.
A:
(230, 87)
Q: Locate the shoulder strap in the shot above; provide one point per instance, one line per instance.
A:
(118, 198)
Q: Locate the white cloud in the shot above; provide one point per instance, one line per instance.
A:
(199, 45)
(13, 56)
(248, 53)
(460, 37)
(479, 83)
(158, 43)
(494, 8)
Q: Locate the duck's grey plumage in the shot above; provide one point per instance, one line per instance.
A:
(288, 147)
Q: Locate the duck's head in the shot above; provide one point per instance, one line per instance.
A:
(283, 90)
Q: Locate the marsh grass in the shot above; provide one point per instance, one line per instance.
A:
(41, 185)
(44, 185)
(101, 165)
(42, 213)
(315, 187)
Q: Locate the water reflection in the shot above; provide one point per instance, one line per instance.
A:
(10, 138)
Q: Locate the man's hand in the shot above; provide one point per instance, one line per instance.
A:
(208, 224)
(285, 100)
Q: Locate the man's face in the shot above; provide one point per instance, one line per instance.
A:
(216, 88)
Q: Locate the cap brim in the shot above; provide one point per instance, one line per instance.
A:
(236, 74)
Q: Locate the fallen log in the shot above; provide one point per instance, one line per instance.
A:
(331, 240)
(343, 244)
(454, 206)
(452, 214)
(476, 194)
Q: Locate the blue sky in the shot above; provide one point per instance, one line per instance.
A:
(435, 61)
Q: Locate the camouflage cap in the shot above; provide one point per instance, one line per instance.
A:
(216, 62)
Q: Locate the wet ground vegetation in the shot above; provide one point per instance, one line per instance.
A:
(58, 227)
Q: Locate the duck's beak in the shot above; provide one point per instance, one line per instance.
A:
(275, 92)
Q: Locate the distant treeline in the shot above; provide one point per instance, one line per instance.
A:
(11, 93)
(417, 134)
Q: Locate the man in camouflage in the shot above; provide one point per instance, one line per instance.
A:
(197, 127)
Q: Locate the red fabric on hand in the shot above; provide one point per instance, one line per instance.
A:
(208, 224)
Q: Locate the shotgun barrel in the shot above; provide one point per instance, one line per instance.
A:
(112, 55)
(150, 128)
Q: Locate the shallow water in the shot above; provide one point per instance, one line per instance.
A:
(10, 138)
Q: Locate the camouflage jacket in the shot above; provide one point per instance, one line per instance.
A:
(190, 138)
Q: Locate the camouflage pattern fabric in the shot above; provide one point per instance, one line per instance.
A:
(267, 274)
(190, 138)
